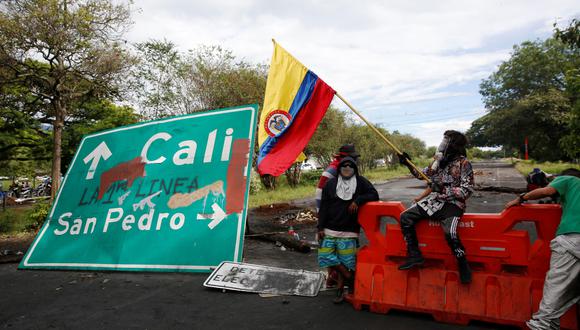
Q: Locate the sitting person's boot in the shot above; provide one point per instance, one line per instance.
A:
(464, 270)
(412, 261)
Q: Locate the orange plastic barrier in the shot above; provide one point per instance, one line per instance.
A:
(508, 270)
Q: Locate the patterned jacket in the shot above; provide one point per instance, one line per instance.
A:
(456, 182)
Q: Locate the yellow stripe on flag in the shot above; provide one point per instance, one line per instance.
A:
(284, 80)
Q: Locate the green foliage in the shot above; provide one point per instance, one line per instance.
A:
(329, 136)
(21, 136)
(255, 183)
(94, 116)
(569, 35)
(526, 166)
(431, 151)
(477, 153)
(168, 82)
(570, 143)
(533, 94)
(37, 216)
(22, 219)
(367, 143)
(336, 130)
(383, 174)
(158, 79)
(62, 53)
(409, 144)
(220, 80)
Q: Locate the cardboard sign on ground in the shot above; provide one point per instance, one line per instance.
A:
(165, 195)
(264, 279)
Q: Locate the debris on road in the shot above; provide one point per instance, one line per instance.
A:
(501, 189)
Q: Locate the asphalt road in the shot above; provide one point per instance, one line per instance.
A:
(115, 300)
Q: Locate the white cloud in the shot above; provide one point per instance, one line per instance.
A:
(432, 132)
(375, 53)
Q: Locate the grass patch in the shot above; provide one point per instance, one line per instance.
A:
(283, 193)
(382, 174)
(5, 184)
(526, 166)
(15, 220)
(23, 218)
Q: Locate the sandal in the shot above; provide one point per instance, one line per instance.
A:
(339, 296)
(350, 283)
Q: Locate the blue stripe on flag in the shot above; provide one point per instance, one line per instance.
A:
(302, 97)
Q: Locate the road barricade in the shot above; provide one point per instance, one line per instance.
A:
(508, 269)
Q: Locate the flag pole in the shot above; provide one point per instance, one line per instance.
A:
(383, 137)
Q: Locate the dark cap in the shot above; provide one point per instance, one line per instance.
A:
(348, 150)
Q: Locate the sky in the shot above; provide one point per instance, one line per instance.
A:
(411, 66)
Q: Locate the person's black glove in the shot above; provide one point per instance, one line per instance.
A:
(436, 187)
(404, 158)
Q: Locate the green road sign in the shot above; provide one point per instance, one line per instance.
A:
(166, 195)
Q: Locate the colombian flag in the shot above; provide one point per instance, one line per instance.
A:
(294, 104)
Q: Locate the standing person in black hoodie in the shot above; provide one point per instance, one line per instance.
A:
(338, 227)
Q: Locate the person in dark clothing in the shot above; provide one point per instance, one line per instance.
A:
(452, 182)
(338, 226)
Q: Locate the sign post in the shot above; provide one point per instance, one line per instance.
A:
(165, 195)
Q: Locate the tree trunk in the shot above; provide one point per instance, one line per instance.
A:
(293, 175)
(268, 181)
(57, 147)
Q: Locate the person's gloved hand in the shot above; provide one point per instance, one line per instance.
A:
(436, 187)
(404, 158)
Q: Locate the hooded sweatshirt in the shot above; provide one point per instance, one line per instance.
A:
(334, 213)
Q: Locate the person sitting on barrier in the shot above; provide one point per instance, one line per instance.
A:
(338, 226)
(562, 284)
(451, 175)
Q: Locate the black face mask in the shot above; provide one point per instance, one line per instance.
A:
(347, 170)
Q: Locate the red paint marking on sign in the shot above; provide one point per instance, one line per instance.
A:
(129, 171)
(236, 179)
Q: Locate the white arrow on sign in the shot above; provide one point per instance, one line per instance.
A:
(101, 151)
(218, 216)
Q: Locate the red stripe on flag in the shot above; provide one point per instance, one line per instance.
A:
(296, 137)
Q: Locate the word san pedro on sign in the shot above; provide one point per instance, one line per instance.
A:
(166, 195)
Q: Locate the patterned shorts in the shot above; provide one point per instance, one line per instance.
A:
(335, 251)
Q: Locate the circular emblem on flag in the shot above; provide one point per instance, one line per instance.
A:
(276, 122)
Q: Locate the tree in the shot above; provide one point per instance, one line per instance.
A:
(93, 116)
(219, 80)
(169, 83)
(329, 136)
(571, 142)
(158, 79)
(335, 130)
(569, 35)
(66, 51)
(21, 135)
(529, 96)
(408, 143)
